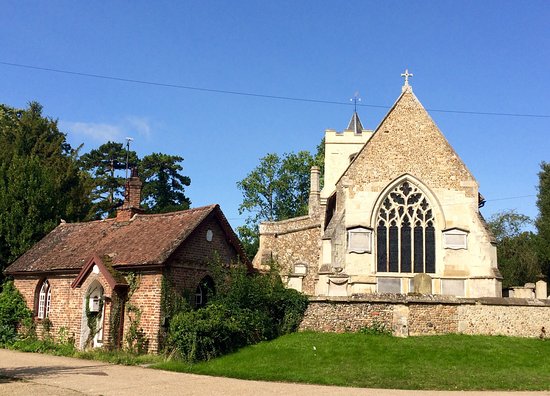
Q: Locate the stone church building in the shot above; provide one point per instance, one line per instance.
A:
(398, 213)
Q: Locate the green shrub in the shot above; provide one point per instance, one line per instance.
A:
(246, 309)
(13, 313)
(213, 331)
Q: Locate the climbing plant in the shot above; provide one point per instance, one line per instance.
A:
(136, 341)
(92, 320)
(171, 302)
(115, 320)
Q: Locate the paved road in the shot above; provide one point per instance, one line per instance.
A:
(36, 374)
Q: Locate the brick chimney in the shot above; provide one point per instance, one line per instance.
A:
(132, 198)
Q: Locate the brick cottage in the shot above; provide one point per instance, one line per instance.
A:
(97, 281)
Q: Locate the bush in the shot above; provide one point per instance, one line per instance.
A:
(13, 313)
(247, 308)
(213, 331)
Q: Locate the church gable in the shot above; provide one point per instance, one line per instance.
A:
(408, 142)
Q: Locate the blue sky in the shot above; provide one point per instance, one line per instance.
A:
(490, 56)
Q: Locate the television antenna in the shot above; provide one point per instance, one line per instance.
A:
(128, 140)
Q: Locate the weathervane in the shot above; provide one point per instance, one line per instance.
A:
(355, 99)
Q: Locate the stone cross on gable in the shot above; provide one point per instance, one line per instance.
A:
(406, 86)
(406, 75)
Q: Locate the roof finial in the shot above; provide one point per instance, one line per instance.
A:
(355, 99)
(406, 75)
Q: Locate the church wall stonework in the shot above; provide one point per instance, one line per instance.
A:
(278, 243)
(523, 320)
(408, 141)
(429, 315)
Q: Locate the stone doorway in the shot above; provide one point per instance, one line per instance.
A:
(93, 313)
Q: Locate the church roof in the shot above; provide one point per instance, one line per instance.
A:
(355, 124)
(407, 140)
(146, 240)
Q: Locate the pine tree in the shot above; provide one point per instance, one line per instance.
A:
(107, 168)
(164, 185)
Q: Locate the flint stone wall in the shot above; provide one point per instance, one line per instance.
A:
(424, 315)
(291, 242)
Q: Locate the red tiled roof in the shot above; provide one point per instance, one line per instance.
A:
(145, 240)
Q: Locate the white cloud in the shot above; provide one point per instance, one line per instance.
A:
(102, 132)
(139, 125)
(94, 131)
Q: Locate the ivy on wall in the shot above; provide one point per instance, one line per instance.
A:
(136, 341)
(93, 319)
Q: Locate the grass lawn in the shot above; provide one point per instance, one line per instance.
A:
(450, 362)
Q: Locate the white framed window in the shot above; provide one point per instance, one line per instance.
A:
(44, 300)
(455, 238)
(200, 296)
(360, 240)
(204, 288)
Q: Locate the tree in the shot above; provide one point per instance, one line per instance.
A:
(107, 168)
(164, 186)
(543, 220)
(517, 256)
(40, 181)
(277, 189)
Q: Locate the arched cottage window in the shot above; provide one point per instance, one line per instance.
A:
(44, 300)
(405, 240)
(204, 289)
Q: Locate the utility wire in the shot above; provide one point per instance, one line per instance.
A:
(250, 94)
(507, 198)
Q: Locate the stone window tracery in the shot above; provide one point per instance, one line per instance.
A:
(405, 231)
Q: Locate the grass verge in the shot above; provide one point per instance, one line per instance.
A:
(450, 362)
(63, 349)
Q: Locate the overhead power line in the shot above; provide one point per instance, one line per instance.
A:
(251, 94)
(508, 198)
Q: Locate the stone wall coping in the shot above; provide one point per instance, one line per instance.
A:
(286, 221)
(280, 228)
(429, 299)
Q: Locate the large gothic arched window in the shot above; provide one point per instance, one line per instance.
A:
(405, 240)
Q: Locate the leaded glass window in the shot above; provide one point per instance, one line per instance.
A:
(405, 234)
